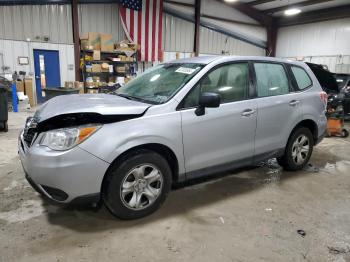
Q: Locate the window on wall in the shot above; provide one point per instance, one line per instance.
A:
(271, 79)
(302, 78)
(230, 81)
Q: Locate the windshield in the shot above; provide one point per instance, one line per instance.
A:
(158, 84)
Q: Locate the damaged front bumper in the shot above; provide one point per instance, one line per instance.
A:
(62, 177)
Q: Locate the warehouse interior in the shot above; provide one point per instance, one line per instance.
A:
(54, 51)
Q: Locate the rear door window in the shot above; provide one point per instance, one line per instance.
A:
(271, 79)
(302, 78)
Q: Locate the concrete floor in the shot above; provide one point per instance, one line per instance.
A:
(253, 215)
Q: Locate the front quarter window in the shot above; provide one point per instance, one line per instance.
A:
(160, 83)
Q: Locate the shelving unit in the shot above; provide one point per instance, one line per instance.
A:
(104, 77)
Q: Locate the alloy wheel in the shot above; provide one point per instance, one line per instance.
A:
(300, 149)
(141, 187)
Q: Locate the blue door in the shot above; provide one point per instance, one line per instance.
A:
(47, 71)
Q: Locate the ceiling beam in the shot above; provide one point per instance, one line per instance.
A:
(315, 16)
(179, 3)
(249, 11)
(222, 19)
(301, 4)
(259, 2)
(197, 23)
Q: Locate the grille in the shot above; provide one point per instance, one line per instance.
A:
(30, 130)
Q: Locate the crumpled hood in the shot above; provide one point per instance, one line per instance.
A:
(94, 103)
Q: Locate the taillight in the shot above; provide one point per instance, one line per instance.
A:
(324, 97)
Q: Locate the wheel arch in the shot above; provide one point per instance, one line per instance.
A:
(161, 149)
(310, 124)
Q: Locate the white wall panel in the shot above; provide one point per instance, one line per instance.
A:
(179, 35)
(102, 18)
(11, 49)
(36, 21)
(315, 39)
(212, 42)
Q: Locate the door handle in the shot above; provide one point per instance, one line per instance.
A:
(37, 77)
(294, 102)
(248, 112)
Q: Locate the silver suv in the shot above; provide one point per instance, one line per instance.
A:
(177, 121)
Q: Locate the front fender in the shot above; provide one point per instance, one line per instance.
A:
(114, 139)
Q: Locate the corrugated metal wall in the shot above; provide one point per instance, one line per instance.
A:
(36, 21)
(179, 36)
(336, 63)
(212, 42)
(11, 50)
(322, 43)
(315, 39)
(102, 18)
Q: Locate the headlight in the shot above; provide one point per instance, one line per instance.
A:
(66, 138)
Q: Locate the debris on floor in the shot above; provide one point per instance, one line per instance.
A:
(301, 232)
(338, 250)
(311, 168)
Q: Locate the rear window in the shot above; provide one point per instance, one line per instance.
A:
(271, 79)
(302, 78)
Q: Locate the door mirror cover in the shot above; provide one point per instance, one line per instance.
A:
(209, 99)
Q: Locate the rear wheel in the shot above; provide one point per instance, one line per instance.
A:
(138, 185)
(298, 150)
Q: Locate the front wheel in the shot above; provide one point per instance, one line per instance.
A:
(298, 150)
(138, 185)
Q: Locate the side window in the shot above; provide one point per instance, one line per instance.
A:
(271, 79)
(230, 81)
(302, 78)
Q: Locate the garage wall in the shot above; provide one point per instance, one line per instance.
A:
(35, 22)
(323, 42)
(11, 49)
(102, 18)
(179, 34)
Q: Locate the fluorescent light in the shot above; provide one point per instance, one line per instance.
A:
(292, 11)
(230, 1)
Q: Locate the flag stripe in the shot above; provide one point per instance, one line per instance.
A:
(131, 28)
(154, 17)
(160, 28)
(142, 22)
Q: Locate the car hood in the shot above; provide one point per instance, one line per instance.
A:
(103, 104)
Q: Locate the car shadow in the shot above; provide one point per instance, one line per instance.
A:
(186, 197)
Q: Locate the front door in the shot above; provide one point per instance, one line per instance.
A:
(47, 71)
(223, 136)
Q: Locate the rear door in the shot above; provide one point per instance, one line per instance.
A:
(278, 106)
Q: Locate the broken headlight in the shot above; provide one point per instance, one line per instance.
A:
(66, 138)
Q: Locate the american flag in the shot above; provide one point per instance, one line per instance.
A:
(142, 21)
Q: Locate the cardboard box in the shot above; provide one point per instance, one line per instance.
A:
(90, 41)
(96, 55)
(96, 68)
(120, 69)
(78, 85)
(107, 44)
(69, 84)
(19, 86)
(29, 91)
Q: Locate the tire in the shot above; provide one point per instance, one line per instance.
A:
(126, 175)
(344, 133)
(295, 156)
(6, 127)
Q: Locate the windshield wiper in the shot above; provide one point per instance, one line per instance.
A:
(135, 98)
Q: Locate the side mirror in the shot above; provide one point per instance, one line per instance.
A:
(207, 99)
